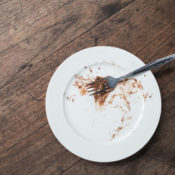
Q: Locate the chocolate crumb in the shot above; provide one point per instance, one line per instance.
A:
(140, 86)
(120, 107)
(112, 98)
(145, 96)
(113, 136)
(76, 76)
(83, 91)
(119, 128)
(133, 85)
(100, 98)
(80, 83)
(130, 92)
(122, 120)
(127, 102)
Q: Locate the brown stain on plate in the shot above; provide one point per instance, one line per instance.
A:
(129, 118)
(145, 96)
(112, 98)
(100, 99)
(70, 98)
(123, 118)
(119, 129)
(83, 91)
(116, 132)
(81, 82)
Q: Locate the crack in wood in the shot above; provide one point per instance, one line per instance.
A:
(34, 98)
(95, 41)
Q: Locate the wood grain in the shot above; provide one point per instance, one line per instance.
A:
(36, 37)
(138, 166)
(45, 27)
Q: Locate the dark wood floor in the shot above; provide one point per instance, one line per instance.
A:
(36, 36)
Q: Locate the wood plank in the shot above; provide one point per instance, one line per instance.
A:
(40, 29)
(8, 9)
(58, 164)
(35, 157)
(162, 146)
(138, 166)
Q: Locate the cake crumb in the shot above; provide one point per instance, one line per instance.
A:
(83, 91)
(140, 86)
(145, 96)
(119, 129)
(113, 136)
(122, 120)
(112, 98)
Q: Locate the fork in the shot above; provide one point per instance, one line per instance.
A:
(107, 84)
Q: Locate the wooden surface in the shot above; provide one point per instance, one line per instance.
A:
(36, 36)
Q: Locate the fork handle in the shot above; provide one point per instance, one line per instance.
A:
(149, 66)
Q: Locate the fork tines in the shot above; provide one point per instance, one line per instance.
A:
(98, 86)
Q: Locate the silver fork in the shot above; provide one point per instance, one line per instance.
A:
(109, 83)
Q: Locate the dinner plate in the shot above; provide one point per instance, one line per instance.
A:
(108, 130)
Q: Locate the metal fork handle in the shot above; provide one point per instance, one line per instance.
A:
(149, 66)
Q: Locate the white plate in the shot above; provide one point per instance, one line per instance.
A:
(100, 134)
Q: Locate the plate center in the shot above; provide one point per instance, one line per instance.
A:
(117, 118)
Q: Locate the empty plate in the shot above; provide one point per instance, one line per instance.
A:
(107, 129)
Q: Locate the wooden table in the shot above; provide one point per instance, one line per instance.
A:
(36, 36)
